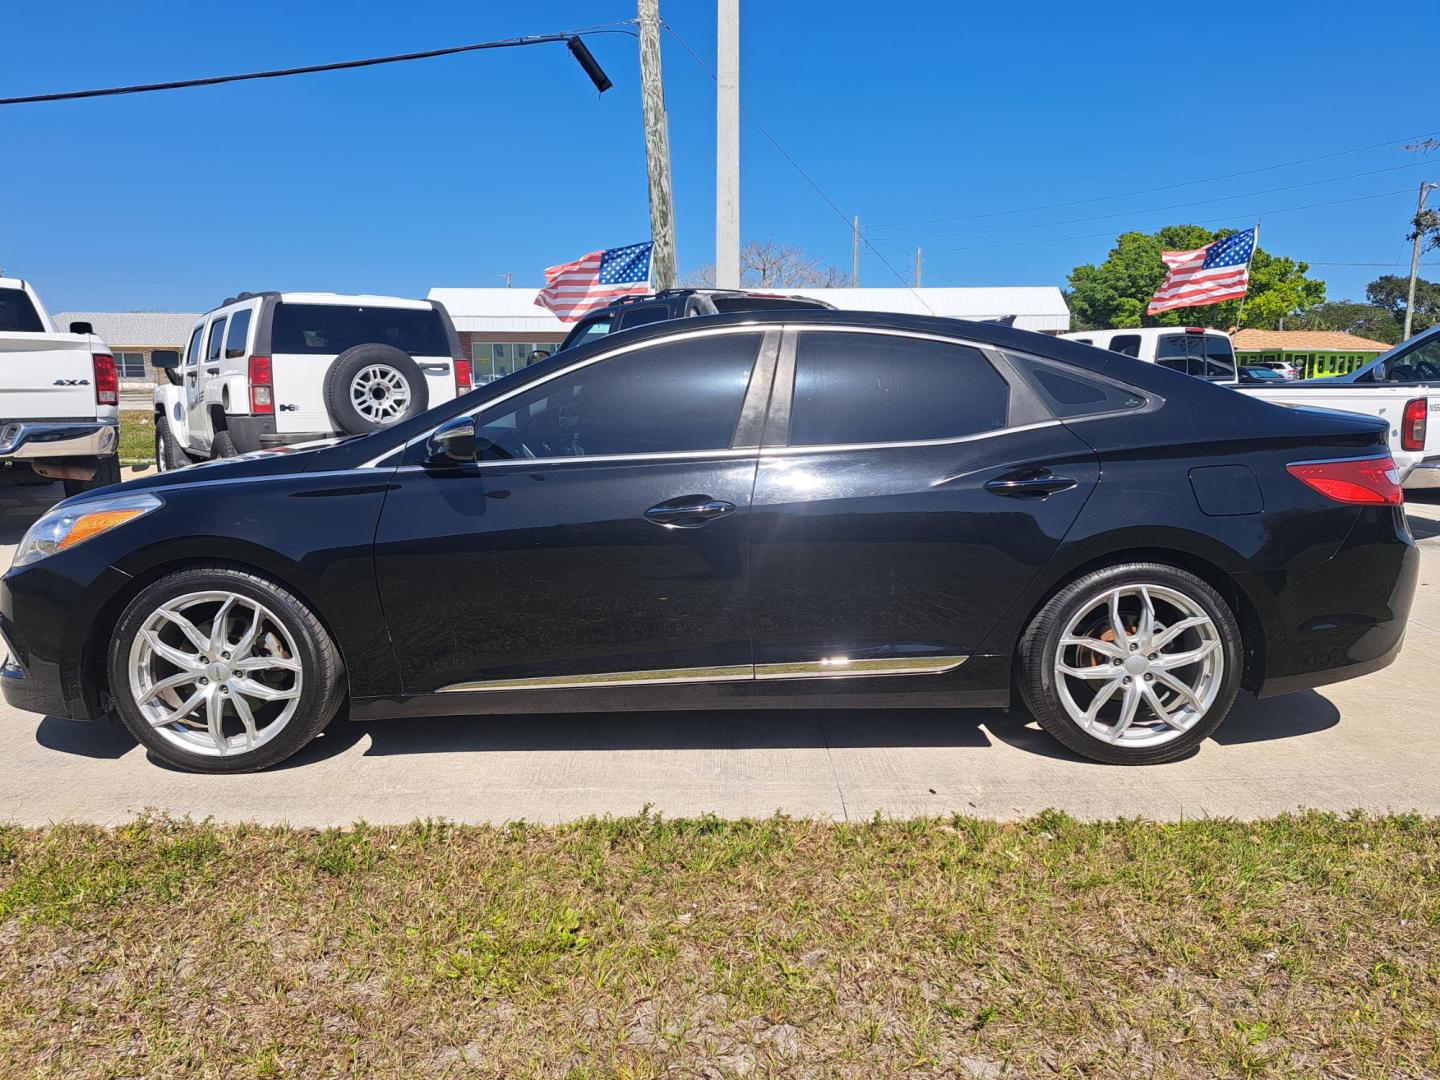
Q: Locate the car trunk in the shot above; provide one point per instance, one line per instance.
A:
(46, 376)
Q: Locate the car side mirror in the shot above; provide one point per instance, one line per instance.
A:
(164, 358)
(453, 443)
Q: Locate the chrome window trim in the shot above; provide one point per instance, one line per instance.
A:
(551, 462)
(830, 667)
(682, 335)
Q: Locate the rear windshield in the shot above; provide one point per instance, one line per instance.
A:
(1202, 355)
(18, 313)
(322, 329)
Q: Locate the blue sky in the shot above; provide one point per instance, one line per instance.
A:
(976, 119)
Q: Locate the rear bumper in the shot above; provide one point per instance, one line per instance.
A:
(24, 440)
(1425, 476)
(258, 433)
(1340, 619)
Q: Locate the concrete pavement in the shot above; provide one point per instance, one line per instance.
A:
(1370, 743)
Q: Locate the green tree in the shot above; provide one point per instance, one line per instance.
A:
(1367, 320)
(1116, 292)
(1391, 291)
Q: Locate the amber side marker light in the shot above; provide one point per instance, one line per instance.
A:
(92, 524)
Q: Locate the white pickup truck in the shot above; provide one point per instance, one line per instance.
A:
(1207, 353)
(59, 397)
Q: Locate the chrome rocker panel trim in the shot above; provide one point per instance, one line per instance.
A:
(831, 667)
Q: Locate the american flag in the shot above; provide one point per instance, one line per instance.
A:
(1218, 271)
(573, 290)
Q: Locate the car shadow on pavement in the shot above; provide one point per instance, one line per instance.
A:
(1251, 721)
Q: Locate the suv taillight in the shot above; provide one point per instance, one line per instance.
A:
(107, 383)
(262, 389)
(1366, 481)
(462, 375)
(1412, 431)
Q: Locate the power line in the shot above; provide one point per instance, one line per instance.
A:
(1209, 221)
(1145, 191)
(807, 177)
(310, 69)
(1160, 209)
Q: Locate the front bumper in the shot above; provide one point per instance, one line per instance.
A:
(22, 440)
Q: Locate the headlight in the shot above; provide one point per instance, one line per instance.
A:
(66, 526)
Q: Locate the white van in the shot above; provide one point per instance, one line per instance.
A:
(1195, 350)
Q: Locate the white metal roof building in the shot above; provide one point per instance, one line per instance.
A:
(513, 311)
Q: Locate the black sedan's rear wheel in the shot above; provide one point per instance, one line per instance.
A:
(1132, 664)
(219, 670)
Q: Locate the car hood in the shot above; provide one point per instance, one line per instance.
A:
(282, 461)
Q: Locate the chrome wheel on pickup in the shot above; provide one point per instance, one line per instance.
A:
(218, 670)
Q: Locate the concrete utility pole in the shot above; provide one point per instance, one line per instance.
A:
(1425, 190)
(855, 254)
(727, 145)
(657, 148)
(917, 268)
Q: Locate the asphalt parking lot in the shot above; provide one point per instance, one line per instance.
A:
(1370, 743)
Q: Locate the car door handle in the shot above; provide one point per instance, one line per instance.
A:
(688, 511)
(1030, 484)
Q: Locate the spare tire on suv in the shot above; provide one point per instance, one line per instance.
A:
(373, 386)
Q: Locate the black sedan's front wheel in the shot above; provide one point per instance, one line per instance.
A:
(216, 669)
(1132, 664)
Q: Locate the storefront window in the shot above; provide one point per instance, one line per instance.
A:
(495, 359)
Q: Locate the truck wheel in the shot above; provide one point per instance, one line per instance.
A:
(218, 670)
(168, 456)
(223, 445)
(374, 386)
(107, 472)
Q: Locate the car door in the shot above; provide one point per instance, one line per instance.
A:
(600, 539)
(908, 489)
(197, 377)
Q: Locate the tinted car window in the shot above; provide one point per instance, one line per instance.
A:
(239, 333)
(17, 313)
(1420, 365)
(865, 388)
(1204, 356)
(1070, 393)
(642, 315)
(192, 354)
(596, 328)
(328, 329)
(217, 338)
(679, 396)
(1128, 344)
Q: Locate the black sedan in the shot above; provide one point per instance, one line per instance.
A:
(764, 509)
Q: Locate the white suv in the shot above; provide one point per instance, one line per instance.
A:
(270, 369)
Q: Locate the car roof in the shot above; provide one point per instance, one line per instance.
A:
(347, 299)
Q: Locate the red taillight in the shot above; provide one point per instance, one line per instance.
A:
(462, 375)
(1412, 431)
(107, 383)
(1194, 329)
(262, 390)
(1372, 481)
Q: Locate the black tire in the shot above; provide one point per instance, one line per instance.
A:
(322, 688)
(223, 445)
(1041, 642)
(349, 364)
(107, 472)
(168, 456)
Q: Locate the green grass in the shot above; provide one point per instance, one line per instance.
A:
(137, 437)
(1302, 946)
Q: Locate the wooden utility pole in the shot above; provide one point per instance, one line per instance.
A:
(855, 253)
(657, 148)
(1425, 190)
(727, 145)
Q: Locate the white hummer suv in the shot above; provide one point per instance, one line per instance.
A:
(271, 369)
(59, 397)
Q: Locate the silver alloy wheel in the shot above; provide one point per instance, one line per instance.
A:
(379, 393)
(215, 673)
(1139, 665)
